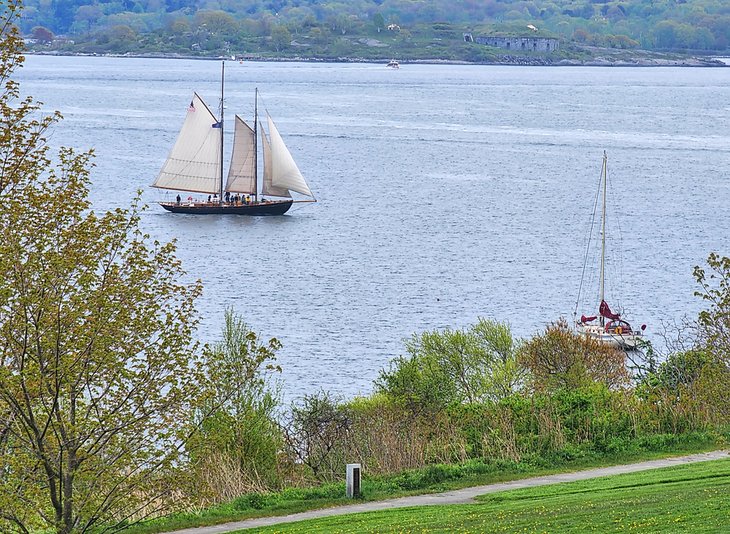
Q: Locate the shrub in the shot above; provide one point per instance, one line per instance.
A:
(563, 359)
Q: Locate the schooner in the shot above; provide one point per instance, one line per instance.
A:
(195, 165)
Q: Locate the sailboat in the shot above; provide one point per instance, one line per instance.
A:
(610, 328)
(195, 165)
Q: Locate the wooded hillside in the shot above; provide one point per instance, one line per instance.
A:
(251, 25)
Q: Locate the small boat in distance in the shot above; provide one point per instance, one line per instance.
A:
(610, 329)
(393, 64)
(195, 165)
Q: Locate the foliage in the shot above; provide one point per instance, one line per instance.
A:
(690, 388)
(562, 359)
(96, 368)
(316, 433)
(280, 38)
(714, 322)
(237, 448)
(422, 27)
(453, 367)
(681, 369)
(688, 391)
(42, 35)
(387, 437)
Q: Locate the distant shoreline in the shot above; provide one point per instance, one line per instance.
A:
(508, 60)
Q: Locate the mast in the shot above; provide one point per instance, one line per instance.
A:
(603, 235)
(223, 71)
(256, 145)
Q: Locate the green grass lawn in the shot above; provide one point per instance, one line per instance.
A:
(689, 498)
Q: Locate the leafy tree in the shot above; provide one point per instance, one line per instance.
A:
(123, 33)
(562, 359)
(666, 34)
(236, 450)
(42, 34)
(216, 22)
(582, 36)
(622, 41)
(316, 434)
(420, 384)
(714, 323)
(681, 369)
(378, 22)
(454, 366)
(497, 350)
(96, 366)
(63, 14)
(280, 38)
(178, 26)
(88, 15)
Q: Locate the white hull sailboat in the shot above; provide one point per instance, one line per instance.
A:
(195, 166)
(607, 327)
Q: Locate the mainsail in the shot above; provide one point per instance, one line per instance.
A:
(242, 172)
(194, 161)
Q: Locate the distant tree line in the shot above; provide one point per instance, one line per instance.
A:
(130, 25)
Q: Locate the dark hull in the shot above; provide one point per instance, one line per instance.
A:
(266, 208)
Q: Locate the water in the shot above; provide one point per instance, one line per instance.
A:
(446, 193)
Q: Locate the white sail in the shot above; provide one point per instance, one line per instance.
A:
(267, 187)
(242, 172)
(284, 171)
(195, 159)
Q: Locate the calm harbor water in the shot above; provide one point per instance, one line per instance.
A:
(446, 193)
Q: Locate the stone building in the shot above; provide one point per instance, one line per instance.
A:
(517, 44)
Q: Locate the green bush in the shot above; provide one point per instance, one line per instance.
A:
(255, 501)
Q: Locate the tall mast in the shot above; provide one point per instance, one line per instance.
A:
(256, 145)
(603, 233)
(223, 71)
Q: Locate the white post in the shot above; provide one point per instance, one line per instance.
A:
(353, 480)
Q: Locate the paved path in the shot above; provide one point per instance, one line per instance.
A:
(462, 496)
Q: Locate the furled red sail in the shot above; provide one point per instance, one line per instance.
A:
(606, 312)
(584, 319)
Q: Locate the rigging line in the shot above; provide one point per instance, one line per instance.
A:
(588, 246)
(263, 104)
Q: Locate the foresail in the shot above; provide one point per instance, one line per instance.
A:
(267, 187)
(242, 172)
(194, 161)
(284, 171)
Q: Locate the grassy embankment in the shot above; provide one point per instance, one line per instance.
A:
(688, 498)
(431, 479)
